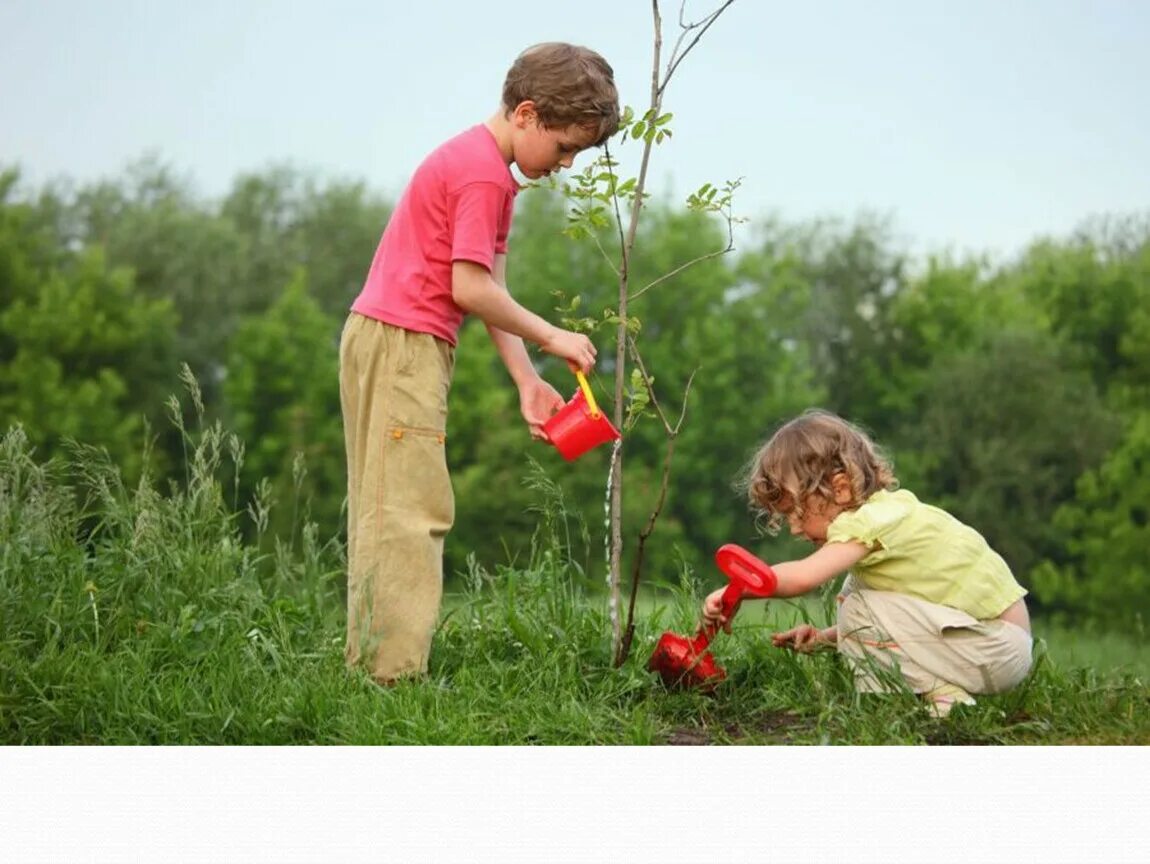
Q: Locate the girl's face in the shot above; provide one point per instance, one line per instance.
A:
(539, 151)
(818, 511)
(817, 515)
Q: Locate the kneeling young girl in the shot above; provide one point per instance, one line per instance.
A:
(926, 597)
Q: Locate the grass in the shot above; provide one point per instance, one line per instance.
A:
(132, 616)
(1116, 652)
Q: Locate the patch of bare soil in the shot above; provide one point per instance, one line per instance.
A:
(776, 728)
(686, 737)
(945, 736)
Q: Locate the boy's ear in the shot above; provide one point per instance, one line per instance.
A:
(524, 114)
(841, 485)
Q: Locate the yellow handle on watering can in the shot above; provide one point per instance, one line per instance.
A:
(587, 394)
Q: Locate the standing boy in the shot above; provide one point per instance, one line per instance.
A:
(443, 255)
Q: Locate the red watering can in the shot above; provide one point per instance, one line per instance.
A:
(579, 425)
(683, 662)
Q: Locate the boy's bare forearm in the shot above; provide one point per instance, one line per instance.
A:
(476, 292)
(513, 353)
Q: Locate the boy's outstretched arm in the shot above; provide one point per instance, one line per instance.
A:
(478, 292)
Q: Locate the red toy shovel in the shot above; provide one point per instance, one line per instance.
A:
(683, 662)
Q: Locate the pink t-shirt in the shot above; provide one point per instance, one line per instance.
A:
(457, 207)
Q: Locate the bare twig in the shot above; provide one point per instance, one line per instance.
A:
(624, 649)
(705, 24)
(680, 269)
(649, 384)
(728, 248)
(606, 257)
(614, 199)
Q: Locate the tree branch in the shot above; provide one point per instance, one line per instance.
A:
(680, 269)
(705, 24)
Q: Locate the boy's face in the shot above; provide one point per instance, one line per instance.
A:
(539, 151)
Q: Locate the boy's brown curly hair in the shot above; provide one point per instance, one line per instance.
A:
(570, 86)
(800, 459)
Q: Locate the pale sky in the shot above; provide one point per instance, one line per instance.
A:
(975, 124)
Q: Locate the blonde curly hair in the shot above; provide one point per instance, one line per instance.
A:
(800, 459)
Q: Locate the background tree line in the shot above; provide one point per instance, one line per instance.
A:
(1013, 393)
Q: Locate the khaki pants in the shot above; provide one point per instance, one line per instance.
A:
(932, 647)
(393, 387)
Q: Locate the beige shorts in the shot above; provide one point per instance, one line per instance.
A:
(393, 391)
(884, 634)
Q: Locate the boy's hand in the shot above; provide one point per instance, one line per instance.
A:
(806, 638)
(538, 400)
(713, 611)
(573, 347)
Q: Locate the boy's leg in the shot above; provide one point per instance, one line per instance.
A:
(935, 649)
(393, 386)
(351, 355)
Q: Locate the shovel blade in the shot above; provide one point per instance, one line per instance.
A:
(679, 666)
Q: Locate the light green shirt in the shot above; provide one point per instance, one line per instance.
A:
(925, 552)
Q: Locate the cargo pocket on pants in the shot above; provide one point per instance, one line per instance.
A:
(418, 459)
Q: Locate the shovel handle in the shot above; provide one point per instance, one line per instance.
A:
(732, 595)
(587, 394)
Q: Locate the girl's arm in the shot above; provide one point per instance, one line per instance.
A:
(806, 574)
(797, 577)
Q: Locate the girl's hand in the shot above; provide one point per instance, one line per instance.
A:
(805, 639)
(713, 611)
